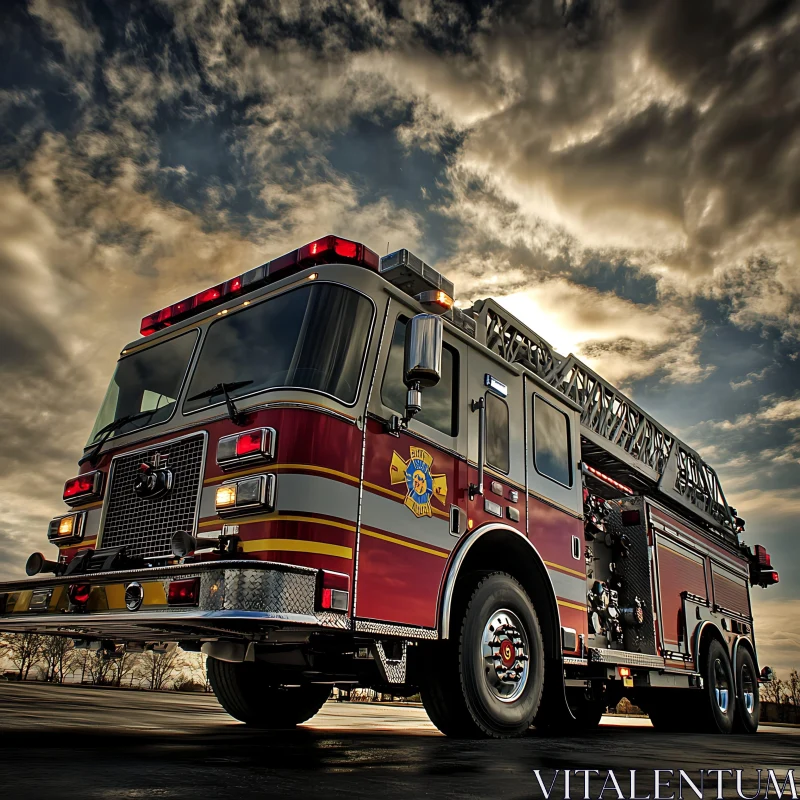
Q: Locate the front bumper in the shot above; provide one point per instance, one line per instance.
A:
(236, 599)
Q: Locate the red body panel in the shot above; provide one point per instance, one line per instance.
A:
(677, 572)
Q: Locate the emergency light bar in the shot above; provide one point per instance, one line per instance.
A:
(409, 273)
(327, 250)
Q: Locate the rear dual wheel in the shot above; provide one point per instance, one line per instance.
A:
(748, 705)
(486, 681)
(715, 707)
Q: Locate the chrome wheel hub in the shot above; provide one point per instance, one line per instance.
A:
(722, 689)
(505, 650)
(748, 689)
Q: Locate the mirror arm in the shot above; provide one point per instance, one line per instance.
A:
(479, 406)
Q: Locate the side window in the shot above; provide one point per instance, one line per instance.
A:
(439, 403)
(497, 433)
(551, 450)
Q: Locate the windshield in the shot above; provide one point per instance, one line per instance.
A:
(313, 337)
(148, 380)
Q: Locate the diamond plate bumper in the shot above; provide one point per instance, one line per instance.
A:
(236, 598)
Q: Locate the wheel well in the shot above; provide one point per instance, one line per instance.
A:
(708, 632)
(503, 551)
(743, 641)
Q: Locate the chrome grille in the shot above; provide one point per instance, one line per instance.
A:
(144, 526)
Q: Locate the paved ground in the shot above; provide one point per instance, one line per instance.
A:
(66, 742)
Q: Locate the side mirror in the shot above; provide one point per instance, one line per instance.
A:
(422, 360)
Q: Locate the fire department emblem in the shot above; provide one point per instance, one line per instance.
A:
(420, 484)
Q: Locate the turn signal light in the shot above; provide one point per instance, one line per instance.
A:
(245, 495)
(66, 530)
(78, 593)
(248, 447)
(184, 593)
(226, 496)
(249, 443)
(334, 591)
(83, 487)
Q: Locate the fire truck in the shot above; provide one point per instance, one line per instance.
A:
(321, 472)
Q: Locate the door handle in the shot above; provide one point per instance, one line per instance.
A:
(458, 521)
(479, 405)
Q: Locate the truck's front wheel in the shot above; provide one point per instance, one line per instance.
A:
(248, 692)
(488, 681)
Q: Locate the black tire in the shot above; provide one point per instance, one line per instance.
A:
(748, 705)
(664, 707)
(587, 707)
(248, 692)
(718, 714)
(470, 694)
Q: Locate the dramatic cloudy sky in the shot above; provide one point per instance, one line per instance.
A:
(626, 174)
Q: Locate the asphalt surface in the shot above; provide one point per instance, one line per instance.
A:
(70, 742)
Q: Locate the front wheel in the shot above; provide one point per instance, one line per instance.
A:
(248, 692)
(488, 682)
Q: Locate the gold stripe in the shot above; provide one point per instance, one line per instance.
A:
(312, 468)
(571, 605)
(553, 565)
(278, 468)
(297, 546)
(282, 518)
(84, 543)
(375, 488)
(385, 538)
(88, 506)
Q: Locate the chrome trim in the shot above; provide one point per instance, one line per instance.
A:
(76, 536)
(599, 656)
(240, 397)
(266, 500)
(89, 497)
(750, 647)
(266, 454)
(462, 548)
(393, 629)
(101, 524)
(144, 573)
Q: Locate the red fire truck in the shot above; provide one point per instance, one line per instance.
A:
(322, 473)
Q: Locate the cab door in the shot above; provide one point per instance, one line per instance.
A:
(412, 480)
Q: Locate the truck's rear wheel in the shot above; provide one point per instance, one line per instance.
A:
(487, 681)
(718, 689)
(748, 705)
(248, 692)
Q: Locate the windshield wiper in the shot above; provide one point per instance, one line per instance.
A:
(224, 388)
(107, 430)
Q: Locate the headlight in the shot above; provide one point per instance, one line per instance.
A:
(247, 494)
